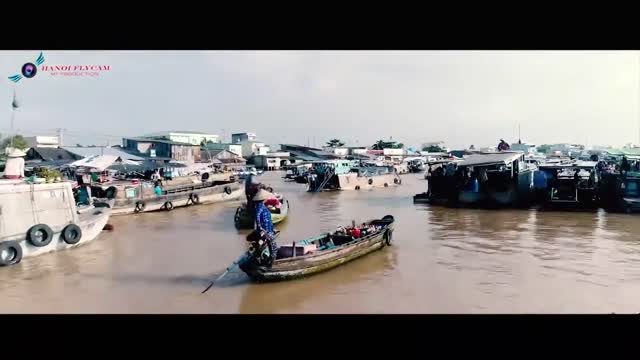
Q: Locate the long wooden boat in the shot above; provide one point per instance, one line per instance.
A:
(130, 198)
(320, 253)
(244, 219)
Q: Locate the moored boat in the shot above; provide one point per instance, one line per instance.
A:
(40, 218)
(341, 175)
(139, 196)
(568, 185)
(318, 254)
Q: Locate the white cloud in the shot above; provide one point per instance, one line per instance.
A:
(461, 97)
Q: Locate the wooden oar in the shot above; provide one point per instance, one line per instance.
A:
(232, 266)
(223, 274)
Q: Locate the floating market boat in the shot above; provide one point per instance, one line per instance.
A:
(129, 197)
(620, 192)
(245, 219)
(332, 175)
(569, 185)
(42, 217)
(318, 254)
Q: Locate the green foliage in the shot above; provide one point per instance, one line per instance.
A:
(335, 143)
(433, 149)
(50, 175)
(18, 142)
(381, 145)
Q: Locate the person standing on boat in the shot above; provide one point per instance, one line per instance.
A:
(14, 168)
(625, 165)
(264, 222)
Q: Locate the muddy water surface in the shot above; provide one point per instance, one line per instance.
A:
(443, 260)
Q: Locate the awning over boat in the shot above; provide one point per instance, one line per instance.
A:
(501, 158)
(101, 162)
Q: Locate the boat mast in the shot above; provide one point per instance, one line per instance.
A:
(519, 138)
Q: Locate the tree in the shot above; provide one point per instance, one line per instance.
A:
(433, 149)
(381, 145)
(18, 142)
(335, 143)
(543, 148)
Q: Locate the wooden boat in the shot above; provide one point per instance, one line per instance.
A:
(320, 253)
(243, 219)
(140, 197)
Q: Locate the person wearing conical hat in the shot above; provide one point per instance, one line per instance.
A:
(14, 168)
(263, 220)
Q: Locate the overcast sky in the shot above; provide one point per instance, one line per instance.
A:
(460, 97)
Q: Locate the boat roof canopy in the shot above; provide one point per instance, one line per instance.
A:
(571, 165)
(501, 158)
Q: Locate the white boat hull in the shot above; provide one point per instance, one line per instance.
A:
(91, 224)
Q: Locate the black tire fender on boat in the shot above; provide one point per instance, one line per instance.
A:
(269, 189)
(45, 230)
(195, 199)
(370, 181)
(111, 192)
(168, 206)
(227, 190)
(388, 237)
(139, 207)
(386, 185)
(10, 253)
(72, 234)
(357, 187)
(397, 181)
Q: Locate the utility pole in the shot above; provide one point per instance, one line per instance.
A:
(14, 106)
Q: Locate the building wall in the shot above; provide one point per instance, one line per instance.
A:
(268, 162)
(393, 152)
(358, 151)
(236, 149)
(195, 139)
(189, 154)
(241, 137)
(337, 151)
(250, 148)
(42, 141)
(262, 150)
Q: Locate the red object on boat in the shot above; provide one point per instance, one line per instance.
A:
(272, 202)
(135, 181)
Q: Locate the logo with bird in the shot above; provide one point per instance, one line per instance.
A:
(28, 70)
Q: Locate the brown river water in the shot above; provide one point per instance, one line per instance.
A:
(442, 261)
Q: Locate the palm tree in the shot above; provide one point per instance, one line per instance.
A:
(379, 145)
(335, 143)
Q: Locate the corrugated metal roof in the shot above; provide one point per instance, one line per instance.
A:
(53, 154)
(490, 159)
(95, 151)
